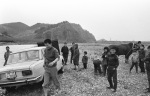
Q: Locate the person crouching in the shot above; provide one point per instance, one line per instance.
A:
(113, 64)
(97, 67)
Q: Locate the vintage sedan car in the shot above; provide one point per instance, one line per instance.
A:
(25, 67)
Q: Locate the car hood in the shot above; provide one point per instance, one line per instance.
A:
(18, 66)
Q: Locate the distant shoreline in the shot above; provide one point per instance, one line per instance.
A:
(5, 43)
(98, 42)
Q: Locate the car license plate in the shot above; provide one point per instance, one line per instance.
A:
(11, 75)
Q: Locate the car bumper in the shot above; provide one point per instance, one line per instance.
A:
(22, 82)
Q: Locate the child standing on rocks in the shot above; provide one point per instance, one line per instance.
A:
(134, 60)
(85, 60)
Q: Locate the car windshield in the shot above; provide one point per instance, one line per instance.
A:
(23, 56)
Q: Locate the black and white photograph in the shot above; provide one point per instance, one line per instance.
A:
(74, 47)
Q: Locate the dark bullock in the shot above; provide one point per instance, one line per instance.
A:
(124, 49)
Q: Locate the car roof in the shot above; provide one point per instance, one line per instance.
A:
(29, 49)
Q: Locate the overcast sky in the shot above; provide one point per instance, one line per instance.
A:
(116, 19)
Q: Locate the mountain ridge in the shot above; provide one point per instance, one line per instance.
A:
(63, 31)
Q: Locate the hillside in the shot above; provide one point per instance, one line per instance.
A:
(63, 31)
(38, 25)
(17, 25)
(13, 29)
(88, 37)
(4, 38)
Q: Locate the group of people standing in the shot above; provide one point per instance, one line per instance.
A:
(109, 66)
(74, 54)
(109, 63)
(139, 57)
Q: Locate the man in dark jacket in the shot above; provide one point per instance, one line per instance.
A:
(113, 64)
(72, 52)
(147, 62)
(141, 58)
(65, 52)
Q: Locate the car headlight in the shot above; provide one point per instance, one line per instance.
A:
(26, 72)
(2, 76)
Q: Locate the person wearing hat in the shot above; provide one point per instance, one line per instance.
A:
(113, 64)
(105, 61)
(65, 52)
(147, 62)
(6, 55)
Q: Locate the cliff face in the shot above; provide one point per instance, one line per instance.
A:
(88, 37)
(63, 31)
